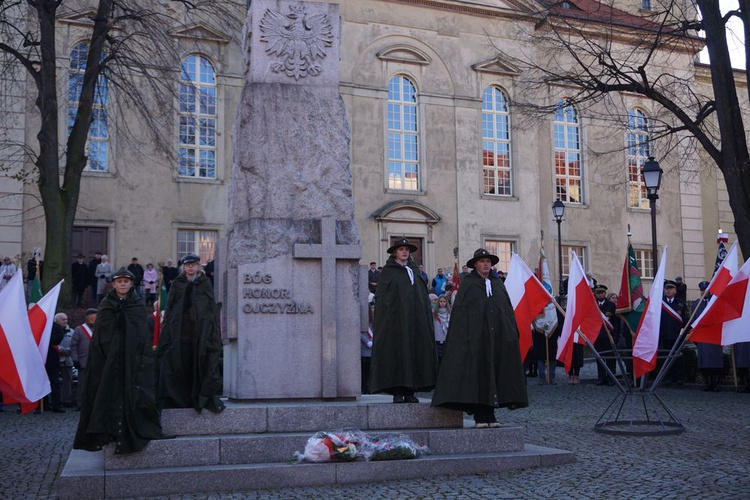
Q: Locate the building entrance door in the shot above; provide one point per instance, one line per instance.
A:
(89, 240)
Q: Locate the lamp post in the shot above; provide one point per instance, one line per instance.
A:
(558, 210)
(651, 173)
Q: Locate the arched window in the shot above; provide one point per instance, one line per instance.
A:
(496, 157)
(568, 165)
(403, 135)
(197, 152)
(639, 149)
(98, 140)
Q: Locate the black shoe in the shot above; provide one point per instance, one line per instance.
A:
(58, 410)
(410, 398)
(600, 382)
(707, 388)
(398, 398)
(68, 405)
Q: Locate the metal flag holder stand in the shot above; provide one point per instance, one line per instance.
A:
(639, 411)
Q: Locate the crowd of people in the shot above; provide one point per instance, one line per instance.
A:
(397, 358)
(127, 370)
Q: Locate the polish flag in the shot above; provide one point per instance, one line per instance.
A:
(728, 319)
(582, 313)
(528, 296)
(721, 278)
(647, 336)
(726, 271)
(41, 317)
(22, 375)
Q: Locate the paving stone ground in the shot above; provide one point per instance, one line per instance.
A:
(710, 459)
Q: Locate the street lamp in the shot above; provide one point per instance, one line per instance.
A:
(651, 173)
(558, 210)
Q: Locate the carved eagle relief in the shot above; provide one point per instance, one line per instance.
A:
(298, 38)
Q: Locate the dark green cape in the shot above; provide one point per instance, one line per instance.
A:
(482, 360)
(118, 399)
(189, 352)
(403, 350)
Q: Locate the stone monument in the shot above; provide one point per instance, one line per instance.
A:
(292, 298)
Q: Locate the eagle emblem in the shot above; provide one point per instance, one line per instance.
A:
(298, 39)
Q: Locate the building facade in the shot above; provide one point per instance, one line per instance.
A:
(439, 152)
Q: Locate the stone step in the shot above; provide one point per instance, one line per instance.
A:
(366, 413)
(84, 476)
(230, 449)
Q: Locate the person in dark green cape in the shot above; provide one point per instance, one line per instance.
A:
(481, 368)
(403, 352)
(118, 399)
(189, 350)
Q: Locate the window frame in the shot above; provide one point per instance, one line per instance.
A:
(639, 135)
(581, 251)
(502, 142)
(100, 105)
(492, 245)
(194, 118)
(406, 138)
(645, 259)
(209, 252)
(561, 129)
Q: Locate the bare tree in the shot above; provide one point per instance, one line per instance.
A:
(600, 54)
(130, 48)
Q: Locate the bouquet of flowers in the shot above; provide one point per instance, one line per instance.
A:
(392, 447)
(332, 446)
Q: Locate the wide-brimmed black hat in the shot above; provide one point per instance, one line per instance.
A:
(123, 273)
(191, 257)
(481, 253)
(402, 242)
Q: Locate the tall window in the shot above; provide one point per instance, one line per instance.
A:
(197, 151)
(503, 250)
(580, 252)
(98, 140)
(496, 143)
(639, 149)
(645, 259)
(403, 135)
(567, 140)
(199, 242)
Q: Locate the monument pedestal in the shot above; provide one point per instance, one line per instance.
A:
(251, 446)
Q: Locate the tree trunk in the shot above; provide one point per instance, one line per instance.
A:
(733, 159)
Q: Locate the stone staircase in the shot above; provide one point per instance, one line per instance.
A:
(251, 446)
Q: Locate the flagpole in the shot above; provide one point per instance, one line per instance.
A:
(677, 346)
(734, 366)
(600, 360)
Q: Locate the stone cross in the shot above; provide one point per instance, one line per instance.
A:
(328, 252)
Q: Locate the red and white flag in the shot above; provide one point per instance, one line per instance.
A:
(22, 374)
(647, 336)
(528, 296)
(724, 273)
(41, 317)
(727, 321)
(582, 313)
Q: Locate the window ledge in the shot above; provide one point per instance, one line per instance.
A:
(499, 197)
(197, 180)
(99, 173)
(405, 191)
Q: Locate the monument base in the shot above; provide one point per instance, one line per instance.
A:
(250, 447)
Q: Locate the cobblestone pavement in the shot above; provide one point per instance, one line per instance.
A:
(709, 460)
